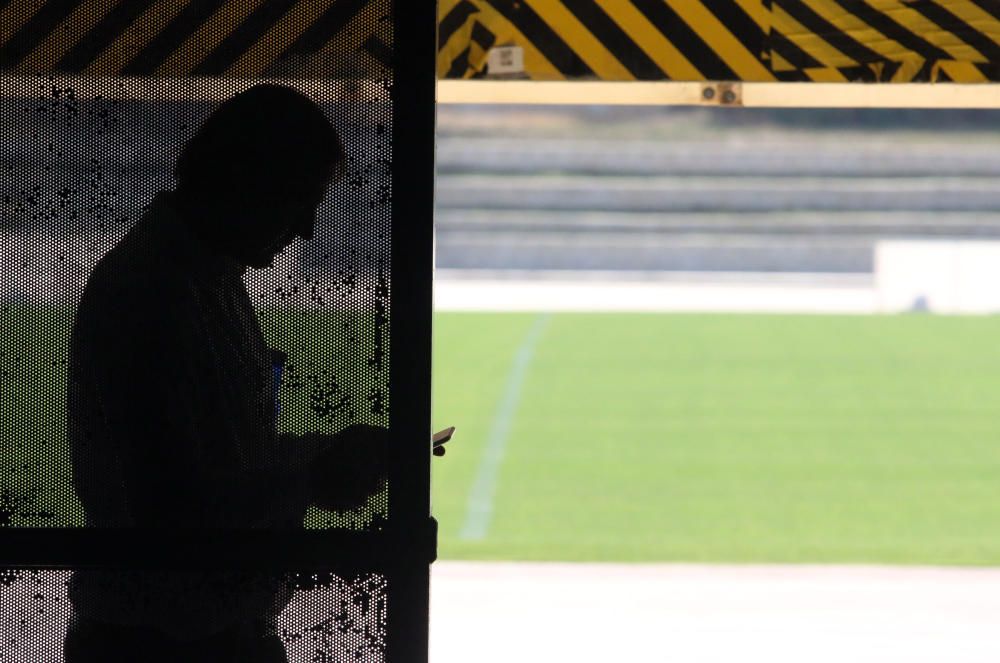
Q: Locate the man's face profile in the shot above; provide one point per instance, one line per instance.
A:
(247, 177)
(269, 229)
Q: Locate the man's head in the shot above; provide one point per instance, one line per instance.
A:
(251, 178)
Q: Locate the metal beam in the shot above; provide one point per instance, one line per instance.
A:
(670, 93)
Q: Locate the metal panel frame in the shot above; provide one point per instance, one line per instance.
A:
(405, 549)
(413, 96)
(669, 93)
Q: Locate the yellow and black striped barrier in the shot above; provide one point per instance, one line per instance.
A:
(734, 40)
(887, 40)
(177, 38)
(607, 40)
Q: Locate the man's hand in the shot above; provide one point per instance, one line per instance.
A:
(346, 468)
(350, 466)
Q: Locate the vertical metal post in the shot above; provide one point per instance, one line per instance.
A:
(413, 98)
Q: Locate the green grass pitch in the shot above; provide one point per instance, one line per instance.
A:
(674, 437)
(727, 438)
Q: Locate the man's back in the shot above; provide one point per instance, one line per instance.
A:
(170, 422)
(171, 392)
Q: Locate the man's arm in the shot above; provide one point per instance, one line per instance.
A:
(169, 408)
(344, 468)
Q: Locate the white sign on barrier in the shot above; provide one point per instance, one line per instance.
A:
(938, 276)
(506, 60)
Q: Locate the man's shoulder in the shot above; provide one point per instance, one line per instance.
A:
(127, 307)
(145, 255)
(135, 272)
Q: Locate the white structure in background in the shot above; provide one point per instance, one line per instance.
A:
(53, 269)
(47, 268)
(938, 276)
(655, 292)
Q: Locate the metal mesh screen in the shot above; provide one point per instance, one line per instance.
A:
(81, 173)
(149, 381)
(327, 618)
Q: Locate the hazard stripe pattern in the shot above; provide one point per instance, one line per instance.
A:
(740, 40)
(175, 38)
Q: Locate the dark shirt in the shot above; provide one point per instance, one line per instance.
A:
(171, 423)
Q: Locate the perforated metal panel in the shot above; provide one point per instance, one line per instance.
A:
(164, 412)
(328, 619)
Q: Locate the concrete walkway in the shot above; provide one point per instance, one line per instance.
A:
(493, 612)
(487, 612)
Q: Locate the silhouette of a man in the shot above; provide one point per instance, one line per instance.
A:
(171, 394)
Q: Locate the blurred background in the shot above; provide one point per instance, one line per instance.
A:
(830, 199)
(590, 263)
(757, 339)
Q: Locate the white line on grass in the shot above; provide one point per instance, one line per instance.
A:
(480, 508)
